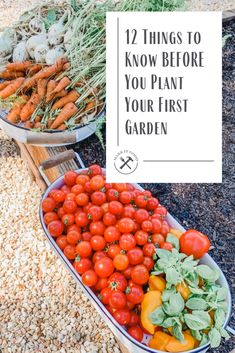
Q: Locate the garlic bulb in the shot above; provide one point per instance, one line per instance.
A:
(54, 54)
(56, 31)
(68, 37)
(40, 53)
(5, 47)
(9, 35)
(20, 52)
(36, 25)
(34, 41)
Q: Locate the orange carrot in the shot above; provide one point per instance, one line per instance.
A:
(71, 97)
(66, 66)
(11, 88)
(38, 125)
(30, 107)
(19, 66)
(50, 89)
(64, 82)
(38, 119)
(69, 110)
(42, 87)
(90, 106)
(14, 115)
(11, 74)
(61, 94)
(28, 124)
(34, 69)
(4, 84)
(62, 127)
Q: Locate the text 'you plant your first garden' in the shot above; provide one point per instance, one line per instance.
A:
(164, 79)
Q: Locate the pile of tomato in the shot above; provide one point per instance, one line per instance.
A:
(109, 232)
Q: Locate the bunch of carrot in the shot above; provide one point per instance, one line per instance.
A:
(34, 87)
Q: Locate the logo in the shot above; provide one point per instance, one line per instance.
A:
(126, 162)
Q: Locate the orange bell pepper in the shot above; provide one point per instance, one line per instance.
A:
(176, 346)
(176, 232)
(157, 283)
(152, 300)
(160, 341)
(184, 290)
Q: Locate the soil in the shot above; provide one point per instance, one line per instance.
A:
(206, 207)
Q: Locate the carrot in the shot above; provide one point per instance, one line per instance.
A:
(34, 69)
(28, 124)
(30, 107)
(71, 97)
(66, 66)
(49, 123)
(50, 89)
(69, 110)
(90, 106)
(11, 88)
(14, 115)
(38, 119)
(4, 84)
(42, 87)
(19, 66)
(11, 74)
(64, 82)
(62, 127)
(38, 125)
(61, 94)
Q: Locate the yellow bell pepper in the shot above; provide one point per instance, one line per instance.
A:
(157, 283)
(175, 345)
(184, 290)
(160, 341)
(176, 232)
(152, 300)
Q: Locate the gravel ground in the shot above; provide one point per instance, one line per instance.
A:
(41, 308)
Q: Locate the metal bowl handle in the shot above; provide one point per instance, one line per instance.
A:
(56, 160)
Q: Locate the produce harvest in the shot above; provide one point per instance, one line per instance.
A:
(146, 274)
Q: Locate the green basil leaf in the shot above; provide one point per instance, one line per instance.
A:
(163, 264)
(196, 290)
(198, 320)
(219, 318)
(215, 338)
(224, 334)
(177, 332)
(172, 276)
(204, 339)
(207, 273)
(170, 321)
(221, 294)
(173, 240)
(223, 305)
(196, 334)
(166, 294)
(157, 316)
(163, 254)
(174, 306)
(197, 304)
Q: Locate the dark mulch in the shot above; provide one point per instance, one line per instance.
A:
(206, 207)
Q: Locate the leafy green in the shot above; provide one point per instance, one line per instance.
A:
(157, 316)
(50, 19)
(215, 337)
(197, 304)
(174, 306)
(173, 240)
(207, 273)
(198, 320)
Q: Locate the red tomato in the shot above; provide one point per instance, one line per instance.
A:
(135, 256)
(49, 217)
(86, 207)
(148, 263)
(95, 213)
(157, 225)
(87, 187)
(134, 319)
(126, 225)
(70, 196)
(161, 210)
(77, 189)
(109, 219)
(73, 227)
(111, 234)
(140, 274)
(129, 211)
(158, 239)
(98, 255)
(81, 219)
(116, 208)
(82, 199)
(152, 203)
(101, 284)
(84, 249)
(89, 278)
(105, 207)
(127, 272)
(82, 265)
(125, 197)
(141, 201)
(70, 252)
(98, 198)
(61, 241)
(70, 178)
(149, 249)
(136, 332)
(66, 189)
(194, 243)
(147, 193)
(112, 195)
(86, 236)
(97, 182)
(94, 169)
(121, 262)
(120, 187)
(108, 186)
(130, 305)
(134, 294)
(147, 226)
(68, 219)
(55, 228)
(113, 250)
(104, 267)
(70, 206)
(82, 179)
(141, 237)
(61, 212)
(130, 187)
(165, 228)
(127, 242)
(117, 299)
(48, 204)
(59, 196)
(97, 228)
(141, 215)
(122, 316)
(105, 295)
(167, 246)
(73, 237)
(117, 281)
(98, 242)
